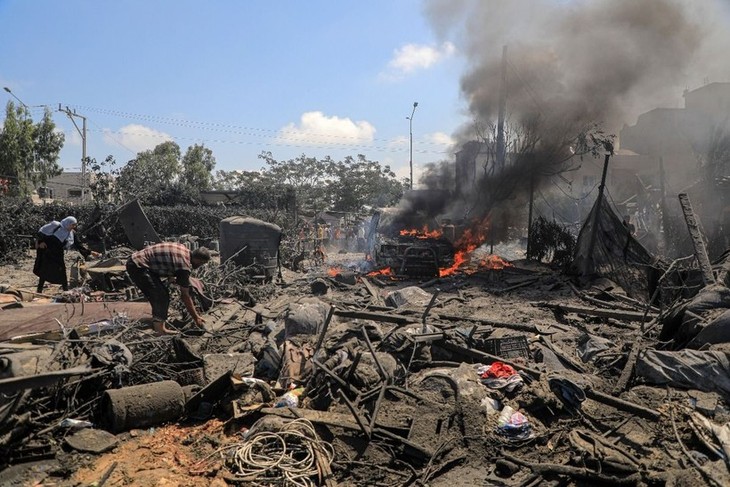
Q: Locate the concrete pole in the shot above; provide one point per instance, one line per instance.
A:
(82, 133)
(83, 163)
(410, 131)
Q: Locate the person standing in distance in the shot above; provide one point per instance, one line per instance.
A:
(53, 238)
(148, 266)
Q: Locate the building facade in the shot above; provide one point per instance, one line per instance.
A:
(65, 187)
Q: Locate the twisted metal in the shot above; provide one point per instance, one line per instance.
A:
(290, 455)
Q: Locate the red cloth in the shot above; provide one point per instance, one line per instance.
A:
(499, 370)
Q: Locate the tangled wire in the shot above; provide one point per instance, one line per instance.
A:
(292, 456)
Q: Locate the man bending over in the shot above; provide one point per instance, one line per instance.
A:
(146, 267)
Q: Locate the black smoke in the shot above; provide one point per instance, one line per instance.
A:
(573, 66)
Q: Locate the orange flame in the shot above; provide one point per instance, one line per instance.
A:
(494, 262)
(422, 233)
(387, 271)
(470, 240)
(333, 271)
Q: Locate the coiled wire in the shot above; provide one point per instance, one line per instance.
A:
(289, 456)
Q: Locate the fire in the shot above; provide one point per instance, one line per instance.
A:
(494, 262)
(387, 271)
(470, 240)
(422, 233)
(333, 271)
(460, 258)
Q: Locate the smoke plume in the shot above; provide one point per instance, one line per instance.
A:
(570, 64)
(602, 61)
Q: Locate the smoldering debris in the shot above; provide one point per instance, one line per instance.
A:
(505, 374)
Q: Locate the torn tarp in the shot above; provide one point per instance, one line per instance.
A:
(707, 371)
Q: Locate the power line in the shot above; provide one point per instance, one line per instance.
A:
(572, 197)
(235, 129)
(113, 138)
(303, 145)
(551, 206)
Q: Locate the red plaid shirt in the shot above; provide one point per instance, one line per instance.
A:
(166, 259)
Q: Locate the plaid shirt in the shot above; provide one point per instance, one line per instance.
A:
(165, 259)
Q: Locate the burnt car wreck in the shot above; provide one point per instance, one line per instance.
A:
(408, 252)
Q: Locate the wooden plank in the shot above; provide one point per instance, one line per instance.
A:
(603, 313)
(41, 318)
(703, 260)
(339, 420)
(377, 300)
(621, 405)
(14, 384)
(623, 380)
(366, 315)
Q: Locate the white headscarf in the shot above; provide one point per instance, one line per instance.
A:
(61, 230)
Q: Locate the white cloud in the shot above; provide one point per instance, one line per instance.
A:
(440, 138)
(136, 137)
(412, 57)
(71, 137)
(316, 128)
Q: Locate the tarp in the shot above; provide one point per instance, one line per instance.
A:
(707, 371)
(616, 254)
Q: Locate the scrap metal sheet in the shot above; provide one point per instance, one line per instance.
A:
(40, 318)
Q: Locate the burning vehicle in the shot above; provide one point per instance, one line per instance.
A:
(407, 251)
(425, 248)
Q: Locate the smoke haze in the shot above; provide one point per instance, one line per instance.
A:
(602, 61)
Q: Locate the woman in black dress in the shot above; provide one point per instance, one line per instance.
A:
(53, 238)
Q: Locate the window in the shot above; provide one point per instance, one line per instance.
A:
(74, 193)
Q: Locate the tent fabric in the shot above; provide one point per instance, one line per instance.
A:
(616, 254)
(707, 371)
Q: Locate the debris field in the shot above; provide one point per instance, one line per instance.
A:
(504, 373)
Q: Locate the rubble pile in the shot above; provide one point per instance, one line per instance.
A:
(509, 376)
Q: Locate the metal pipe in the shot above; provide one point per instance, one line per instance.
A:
(142, 405)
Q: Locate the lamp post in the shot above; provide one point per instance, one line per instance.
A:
(13, 95)
(410, 130)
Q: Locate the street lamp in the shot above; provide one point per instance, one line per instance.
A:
(13, 95)
(410, 129)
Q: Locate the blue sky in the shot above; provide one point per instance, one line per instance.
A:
(317, 77)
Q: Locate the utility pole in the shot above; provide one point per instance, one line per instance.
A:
(82, 133)
(501, 149)
(530, 236)
(663, 223)
(588, 264)
(410, 130)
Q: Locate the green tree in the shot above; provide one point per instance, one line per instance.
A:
(47, 143)
(259, 181)
(197, 168)
(102, 185)
(308, 176)
(29, 152)
(152, 175)
(359, 182)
